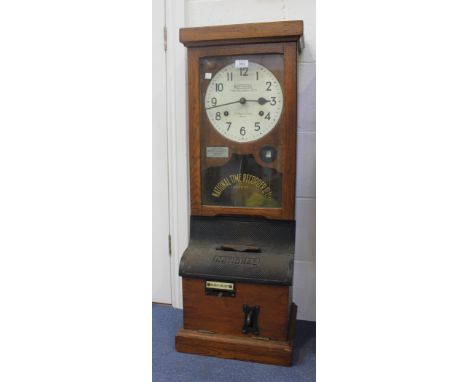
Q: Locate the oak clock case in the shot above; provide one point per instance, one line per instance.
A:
(242, 129)
(241, 103)
(237, 271)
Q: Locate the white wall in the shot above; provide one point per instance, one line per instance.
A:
(212, 12)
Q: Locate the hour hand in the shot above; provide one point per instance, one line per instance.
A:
(261, 100)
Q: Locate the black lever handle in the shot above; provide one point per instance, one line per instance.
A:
(248, 319)
(251, 319)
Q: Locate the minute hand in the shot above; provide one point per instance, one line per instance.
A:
(224, 104)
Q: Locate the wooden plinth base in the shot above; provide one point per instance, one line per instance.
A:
(224, 346)
(238, 347)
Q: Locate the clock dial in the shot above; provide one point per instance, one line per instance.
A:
(244, 104)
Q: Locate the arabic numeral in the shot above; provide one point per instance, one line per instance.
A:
(219, 87)
(242, 131)
(214, 101)
(267, 116)
(257, 126)
(268, 84)
(218, 116)
(273, 101)
(228, 125)
(229, 76)
(257, 76)
(244, 71)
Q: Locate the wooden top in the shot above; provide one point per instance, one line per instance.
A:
(243, 33)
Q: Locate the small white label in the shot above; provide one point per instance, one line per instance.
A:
(217, 152)
(242, 64)
(207, 76)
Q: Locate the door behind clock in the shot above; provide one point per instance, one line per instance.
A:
(161, 261)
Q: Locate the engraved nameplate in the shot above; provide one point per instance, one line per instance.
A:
(219, 288)
(219, 285)
(217, 152)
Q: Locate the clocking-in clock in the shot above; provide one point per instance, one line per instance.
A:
(237, 271)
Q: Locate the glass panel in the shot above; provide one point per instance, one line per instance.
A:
(240, 116)
(242, 182)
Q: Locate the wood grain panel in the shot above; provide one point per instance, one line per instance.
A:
(194, 131)
(247, 33)
(290, 129)
(224, 346)
(225, 315)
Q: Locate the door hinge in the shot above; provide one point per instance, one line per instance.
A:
(170, 245)
(165, 38)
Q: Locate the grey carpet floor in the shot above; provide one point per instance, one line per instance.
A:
(170, 366)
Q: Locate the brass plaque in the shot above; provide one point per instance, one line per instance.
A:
(218, 285)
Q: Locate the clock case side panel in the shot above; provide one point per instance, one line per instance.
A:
(194, 131)
(288, 137)
(290, 133)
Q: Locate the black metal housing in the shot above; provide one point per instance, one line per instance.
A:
(253, 250)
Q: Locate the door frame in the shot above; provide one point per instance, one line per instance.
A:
(179, 207)
(161, 262)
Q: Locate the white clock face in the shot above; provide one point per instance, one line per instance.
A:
(244, 104)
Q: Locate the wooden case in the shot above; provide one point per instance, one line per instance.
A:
(213, 324)
(224, 315)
